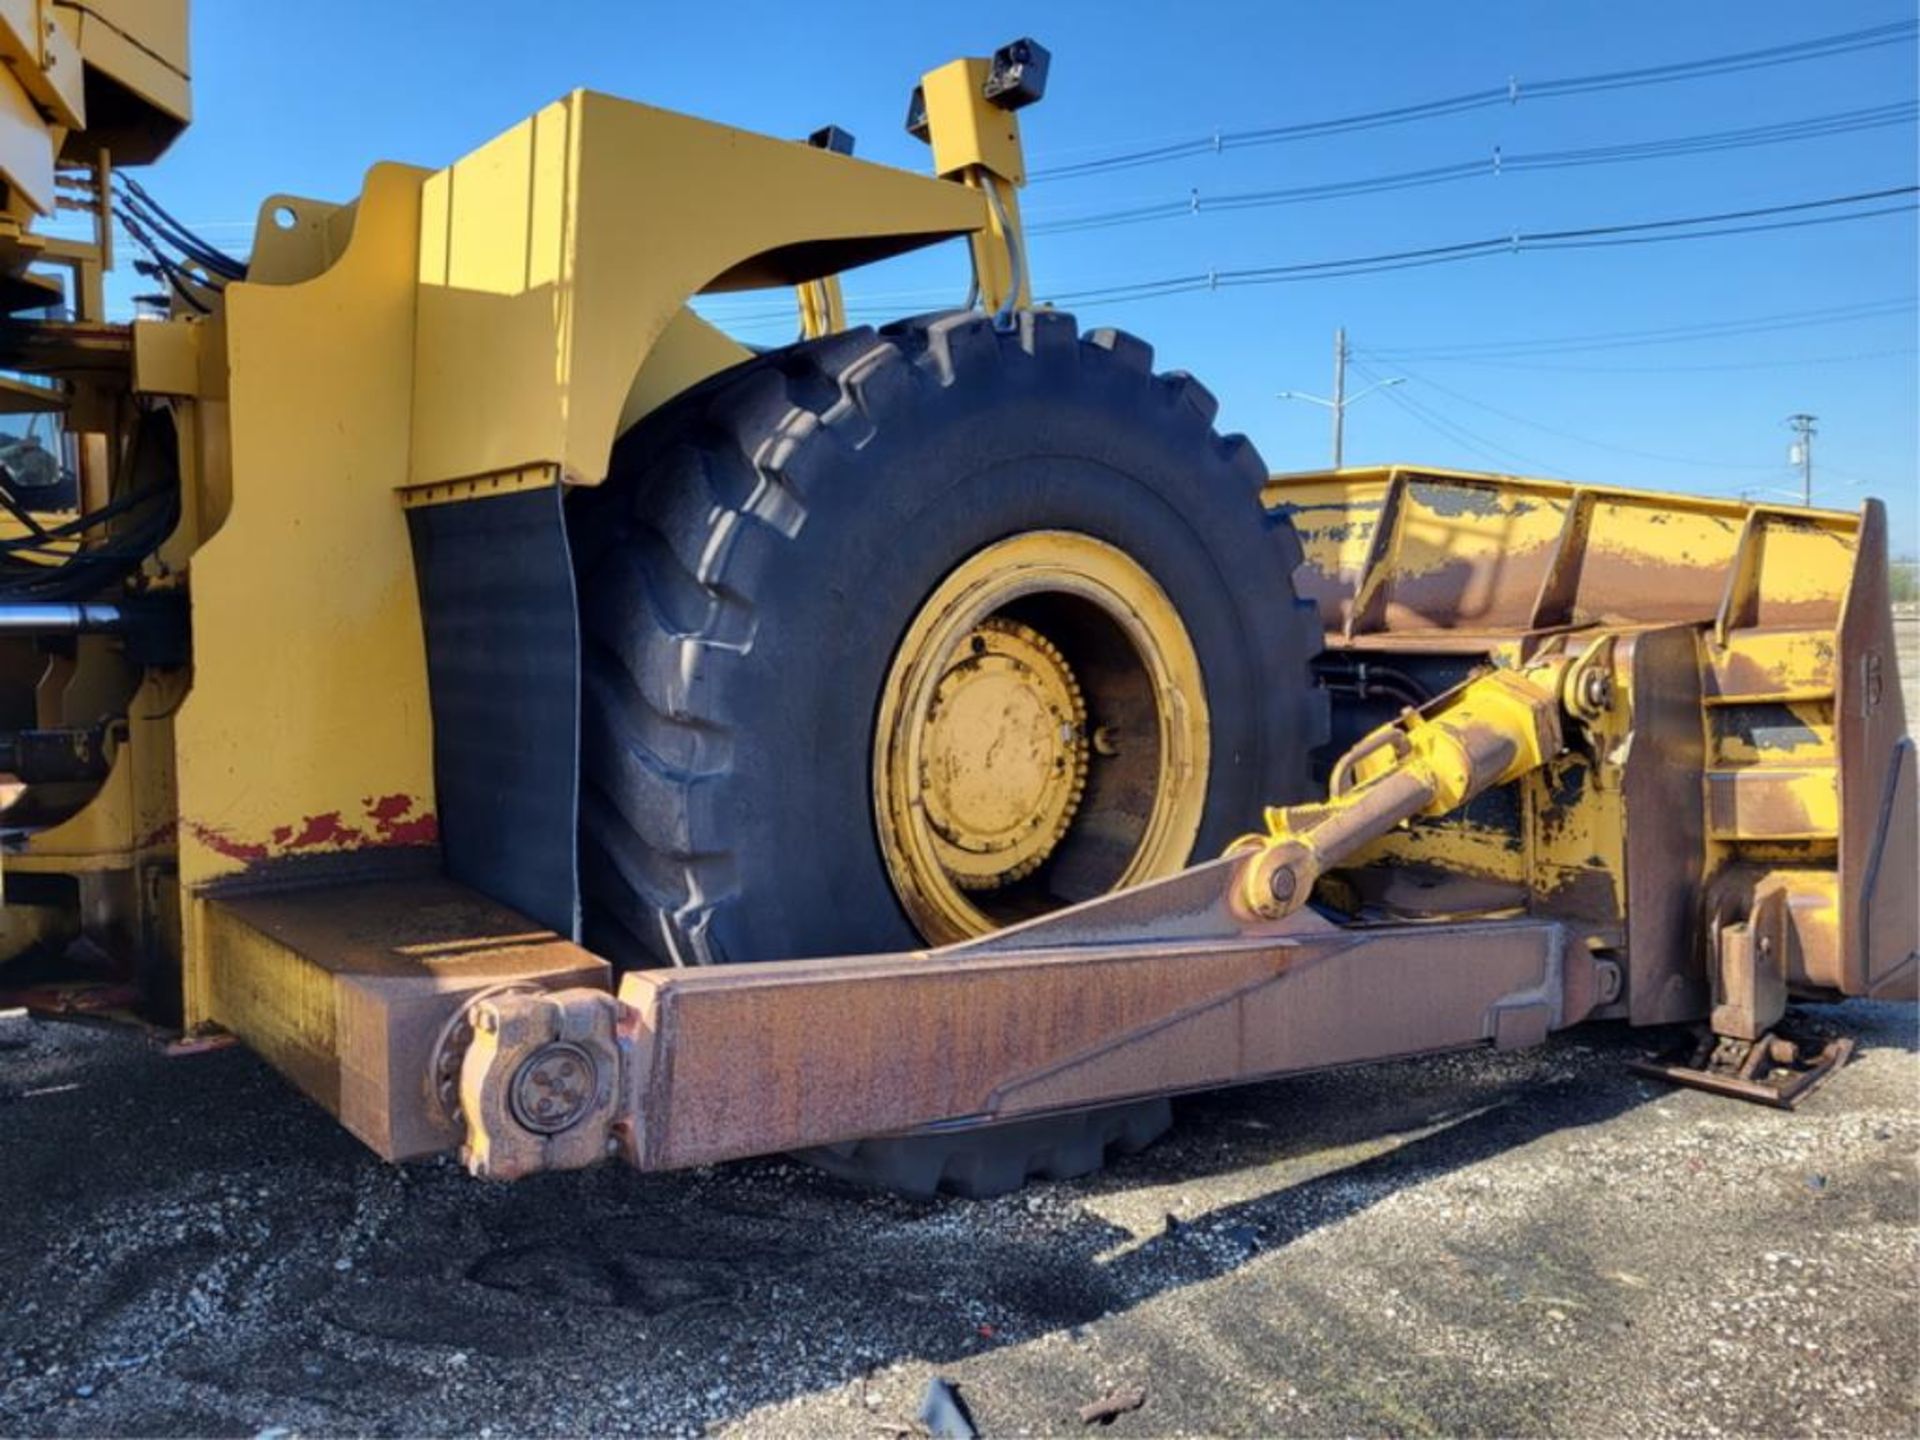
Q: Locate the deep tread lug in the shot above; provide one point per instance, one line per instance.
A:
(961, 342)
(1048, 335)
(1129, 349)
(1245, 460)
(1194, 395)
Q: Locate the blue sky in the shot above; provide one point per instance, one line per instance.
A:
(303, 97)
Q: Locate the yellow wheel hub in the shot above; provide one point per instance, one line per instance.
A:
(1004, 755)
(1042, 736)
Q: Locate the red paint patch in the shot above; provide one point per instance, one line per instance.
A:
(223, 844)
(391, 816)
(159, 835)
(392, 820)
(326, 829)
(388, 807)
(423, 830)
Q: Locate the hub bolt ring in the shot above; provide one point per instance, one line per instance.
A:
(554, 1088)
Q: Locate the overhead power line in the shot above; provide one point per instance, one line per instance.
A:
(1577, 439)
(1498, 454)
(1490, 353)
(1689, 227)
(1663, 335)
(1452, 430)
(1852, 357)
(1817, 126)
(1801, 424)
(1514, 91)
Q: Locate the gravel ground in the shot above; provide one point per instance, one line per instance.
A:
(1489, 1244)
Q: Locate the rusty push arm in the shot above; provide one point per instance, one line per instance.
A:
(1429, 762)
(1208, 977)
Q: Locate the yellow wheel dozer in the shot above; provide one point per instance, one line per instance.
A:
(544, 728)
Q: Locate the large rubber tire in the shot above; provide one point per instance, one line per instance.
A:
(750, 565)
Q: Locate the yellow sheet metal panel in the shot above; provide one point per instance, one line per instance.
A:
(465, 242)
(493, 315)
(553, 258)
(143, 45)
(37, 41)
(48, 929)
(1771, 732)
(1470, 555)
(295, 237)
(964, 129)
(1401, 550)
(21, 397)
(1756, 666)
(26, 151)
(1336, 520)
(1455, 847)
(1804, 569)
(1761, 802)
(1654, 564)
(158, 28)
(166, 357)
(308, 729)
(99, 837)
(687, 352)
(1574, 815)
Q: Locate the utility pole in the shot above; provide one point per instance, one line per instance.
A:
(1801, 453)
(1341, 400)
(1339, 396)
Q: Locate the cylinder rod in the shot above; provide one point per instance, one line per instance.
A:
(57, 617)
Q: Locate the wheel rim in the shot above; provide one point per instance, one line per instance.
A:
(1042, 737)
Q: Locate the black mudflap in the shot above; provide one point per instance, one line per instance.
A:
(503, 670)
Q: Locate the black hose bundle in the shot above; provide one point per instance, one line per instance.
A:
(189, 265)
(32, 567)
(154, 217)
